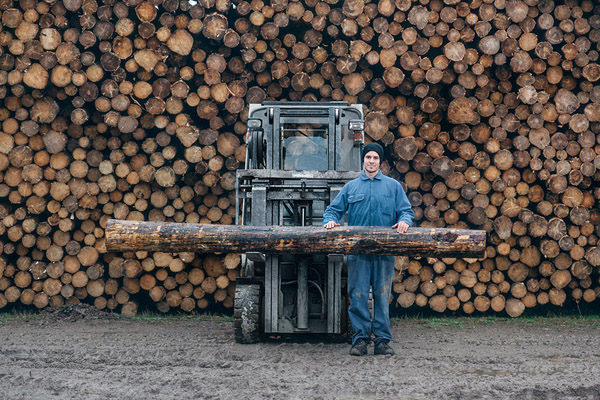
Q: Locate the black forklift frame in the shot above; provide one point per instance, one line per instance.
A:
(266, 186)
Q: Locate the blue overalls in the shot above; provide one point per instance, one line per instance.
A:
(380, 201)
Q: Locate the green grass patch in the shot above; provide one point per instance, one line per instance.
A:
(440, 322)
(154, 317)
(548, 320)
(35, 316)
(560, 319)
(19, 315)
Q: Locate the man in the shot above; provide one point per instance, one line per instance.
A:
(372, 199)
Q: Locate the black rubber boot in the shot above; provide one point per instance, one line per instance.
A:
(384, 349)
(359, 348)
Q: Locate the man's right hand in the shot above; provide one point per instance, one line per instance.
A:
(331, 225)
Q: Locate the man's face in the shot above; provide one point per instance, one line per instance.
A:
(371, 162)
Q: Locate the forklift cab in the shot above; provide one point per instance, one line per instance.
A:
(300, 136)
(299, 156)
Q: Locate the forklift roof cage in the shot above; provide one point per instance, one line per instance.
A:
(298, 136)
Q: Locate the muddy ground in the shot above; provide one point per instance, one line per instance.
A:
(81, 355)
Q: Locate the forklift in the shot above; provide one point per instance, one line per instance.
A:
(299, 156)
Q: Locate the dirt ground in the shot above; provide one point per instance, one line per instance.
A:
(81, 355)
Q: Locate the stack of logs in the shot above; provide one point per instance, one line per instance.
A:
(488, 111)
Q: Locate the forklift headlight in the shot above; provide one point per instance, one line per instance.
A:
(356, 125)
(254, 123)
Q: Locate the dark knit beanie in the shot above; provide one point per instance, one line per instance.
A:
(376, 147)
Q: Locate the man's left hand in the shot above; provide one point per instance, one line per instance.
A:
(401, 227)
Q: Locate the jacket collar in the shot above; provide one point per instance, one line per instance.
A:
(364, 176)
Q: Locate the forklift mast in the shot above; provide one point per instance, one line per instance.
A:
(299, 156)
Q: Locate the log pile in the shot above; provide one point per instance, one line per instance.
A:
(489, 112)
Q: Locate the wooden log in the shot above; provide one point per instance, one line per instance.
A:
(514, 307)
(129, 309)
(172, 237)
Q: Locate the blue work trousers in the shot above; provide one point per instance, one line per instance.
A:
(365, 271)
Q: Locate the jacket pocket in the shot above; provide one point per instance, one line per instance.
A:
(355, 198)
(386, 205)
(356, 205)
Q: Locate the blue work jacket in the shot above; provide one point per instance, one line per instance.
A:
(380, 201)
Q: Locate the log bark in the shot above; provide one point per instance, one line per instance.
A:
(134, 235)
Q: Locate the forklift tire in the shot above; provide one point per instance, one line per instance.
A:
(247, 314)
